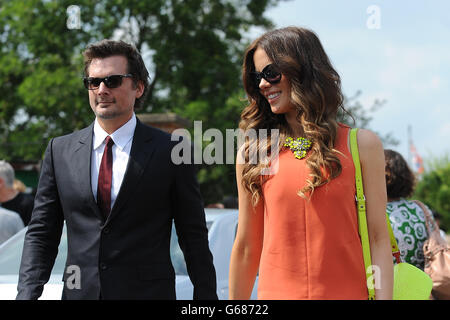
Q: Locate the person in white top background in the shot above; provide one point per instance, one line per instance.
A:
(10, 224)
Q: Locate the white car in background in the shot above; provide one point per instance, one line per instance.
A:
(222, 226)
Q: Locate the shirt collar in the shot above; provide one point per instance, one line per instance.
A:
(121, 136)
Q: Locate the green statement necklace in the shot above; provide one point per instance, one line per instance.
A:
(299, 146)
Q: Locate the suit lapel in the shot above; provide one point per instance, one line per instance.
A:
(82, 156)
(141, 152)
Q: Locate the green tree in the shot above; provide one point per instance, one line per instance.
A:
(433, 188)
(40, 70)
(358, 116)
(193, 48)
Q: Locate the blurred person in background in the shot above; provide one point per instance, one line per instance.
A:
(438, 218)
(10, 197)
(19, 186)
(10, 224)
(216, 205)
(231, 202)
(406, 216)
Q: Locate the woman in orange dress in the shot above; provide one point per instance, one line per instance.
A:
(298, 223)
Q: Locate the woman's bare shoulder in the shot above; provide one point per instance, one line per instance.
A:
(368, 141)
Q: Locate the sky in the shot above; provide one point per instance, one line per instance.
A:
(398, 51)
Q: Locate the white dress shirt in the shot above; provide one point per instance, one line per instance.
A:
(123, 139)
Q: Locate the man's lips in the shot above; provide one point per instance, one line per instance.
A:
(104, 102)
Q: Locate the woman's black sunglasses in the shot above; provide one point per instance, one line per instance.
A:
(269, 73)
(111, 82)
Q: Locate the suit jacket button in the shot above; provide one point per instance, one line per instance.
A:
(103, 266)
(106, 230)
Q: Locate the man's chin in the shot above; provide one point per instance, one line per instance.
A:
(105, 115)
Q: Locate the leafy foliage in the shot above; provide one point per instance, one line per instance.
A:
(192, 48)
(40, 69)
(359, 117)
(434, 189)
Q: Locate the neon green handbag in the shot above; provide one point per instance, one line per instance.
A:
(410, 283)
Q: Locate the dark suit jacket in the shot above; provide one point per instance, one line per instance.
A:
(127, 256)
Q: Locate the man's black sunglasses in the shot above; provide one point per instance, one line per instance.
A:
(111, 82)
(269, 73)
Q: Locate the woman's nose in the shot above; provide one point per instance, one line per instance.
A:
(264, 84)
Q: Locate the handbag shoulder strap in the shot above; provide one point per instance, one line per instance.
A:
(394, 245)
(362, 219)
(431, 225)
(361, 205)
(426, 213)
(361, 198)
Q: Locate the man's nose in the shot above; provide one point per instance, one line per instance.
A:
(102, 88)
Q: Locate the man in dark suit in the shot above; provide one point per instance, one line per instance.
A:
(117, 188)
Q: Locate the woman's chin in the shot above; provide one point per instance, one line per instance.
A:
(282, 108)
(276, 110)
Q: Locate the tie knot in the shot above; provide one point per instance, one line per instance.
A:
(109, 142)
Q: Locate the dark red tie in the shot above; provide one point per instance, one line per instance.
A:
(105, 178)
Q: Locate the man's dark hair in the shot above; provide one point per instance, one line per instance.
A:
(400, 180)
(108, 48)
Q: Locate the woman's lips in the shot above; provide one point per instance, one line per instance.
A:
(271, 97)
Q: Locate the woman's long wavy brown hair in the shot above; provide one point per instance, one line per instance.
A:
(315, 93)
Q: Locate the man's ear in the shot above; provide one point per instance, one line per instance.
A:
(139, 89)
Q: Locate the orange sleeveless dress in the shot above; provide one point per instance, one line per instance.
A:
(311, 249)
